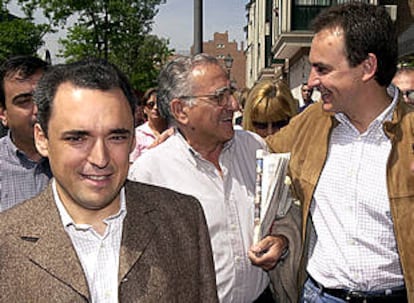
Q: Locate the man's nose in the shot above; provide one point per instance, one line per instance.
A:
(233, 104)
(313, 80)
(99, 154)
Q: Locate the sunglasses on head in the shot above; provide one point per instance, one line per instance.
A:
(275, 125)
(150, 104)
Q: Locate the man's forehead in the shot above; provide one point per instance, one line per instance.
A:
(207, 76)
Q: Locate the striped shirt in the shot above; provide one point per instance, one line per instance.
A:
(99, 255)
(20, 177)
(354, 245)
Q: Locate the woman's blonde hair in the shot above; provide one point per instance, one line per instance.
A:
(269, 101)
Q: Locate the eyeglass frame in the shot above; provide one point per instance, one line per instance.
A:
(219, 94)
(150, 104)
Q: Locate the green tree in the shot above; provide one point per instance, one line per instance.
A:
(19, 36)
(117, 30)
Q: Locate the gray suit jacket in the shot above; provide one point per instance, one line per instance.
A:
(165, 251)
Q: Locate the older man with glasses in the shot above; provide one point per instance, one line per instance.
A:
(208, 159)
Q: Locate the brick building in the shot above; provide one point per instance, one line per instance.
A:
(221, 47)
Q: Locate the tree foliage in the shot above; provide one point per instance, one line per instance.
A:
(117, 30)
(19, 36)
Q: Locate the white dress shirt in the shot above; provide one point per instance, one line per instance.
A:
(354, 246)
(99, 255)
(227, 203)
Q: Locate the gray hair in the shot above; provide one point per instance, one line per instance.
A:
(175, 80)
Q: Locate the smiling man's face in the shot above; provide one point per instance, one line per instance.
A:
(90, 136)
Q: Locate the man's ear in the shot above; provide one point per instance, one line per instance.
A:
(370, 66)
(3, 116)
(41, 141)
(179, 110)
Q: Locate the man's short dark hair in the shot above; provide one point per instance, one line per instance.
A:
(25, 65)
(90, 73)
(367, 29)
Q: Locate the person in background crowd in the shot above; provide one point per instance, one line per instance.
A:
(269, 107)
(139, 116)
(404, 80)
(307, 92)
(90, 236)
(3, 130)
(208, 159)
(148, 132)
(24, 172)
(241, 96)
(349, 163)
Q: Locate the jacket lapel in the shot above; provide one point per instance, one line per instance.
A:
(49, 246)
(138, 227)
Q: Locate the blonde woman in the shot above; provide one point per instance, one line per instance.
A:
(269, 107)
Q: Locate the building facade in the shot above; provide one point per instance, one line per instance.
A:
(223, 49)
(279, 37)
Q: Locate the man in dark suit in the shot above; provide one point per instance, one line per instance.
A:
(91, 236)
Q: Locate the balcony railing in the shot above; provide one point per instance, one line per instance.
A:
(303, 11)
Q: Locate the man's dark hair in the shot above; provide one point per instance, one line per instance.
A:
(90, 73)
(367, 29)
(25, 65)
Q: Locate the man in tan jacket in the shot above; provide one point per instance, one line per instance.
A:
(350, 158)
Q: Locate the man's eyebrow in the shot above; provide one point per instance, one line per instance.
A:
(320, 64)
(75, 132)
(120, 131)
(79, 133)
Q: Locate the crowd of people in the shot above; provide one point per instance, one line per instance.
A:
(103, 208)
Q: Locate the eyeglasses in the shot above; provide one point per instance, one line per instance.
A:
(150, 104)
(221, 96)
(275, 125)
(409, 94)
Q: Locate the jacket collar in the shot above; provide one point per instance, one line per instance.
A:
(48, 246)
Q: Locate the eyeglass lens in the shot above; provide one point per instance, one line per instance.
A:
(150, 104)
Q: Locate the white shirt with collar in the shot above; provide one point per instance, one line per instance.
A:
(354, 246)
(99, 255)
(227, 203)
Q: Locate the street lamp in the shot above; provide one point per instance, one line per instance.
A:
(228, 62)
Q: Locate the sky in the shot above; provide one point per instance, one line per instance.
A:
(175, 22)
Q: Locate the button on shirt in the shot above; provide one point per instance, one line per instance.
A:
(227, 203)
(354, 245)
(99, 255)
(20, 177)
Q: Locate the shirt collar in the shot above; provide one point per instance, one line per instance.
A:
(227, 145)
(386, 115)
(17, 152)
